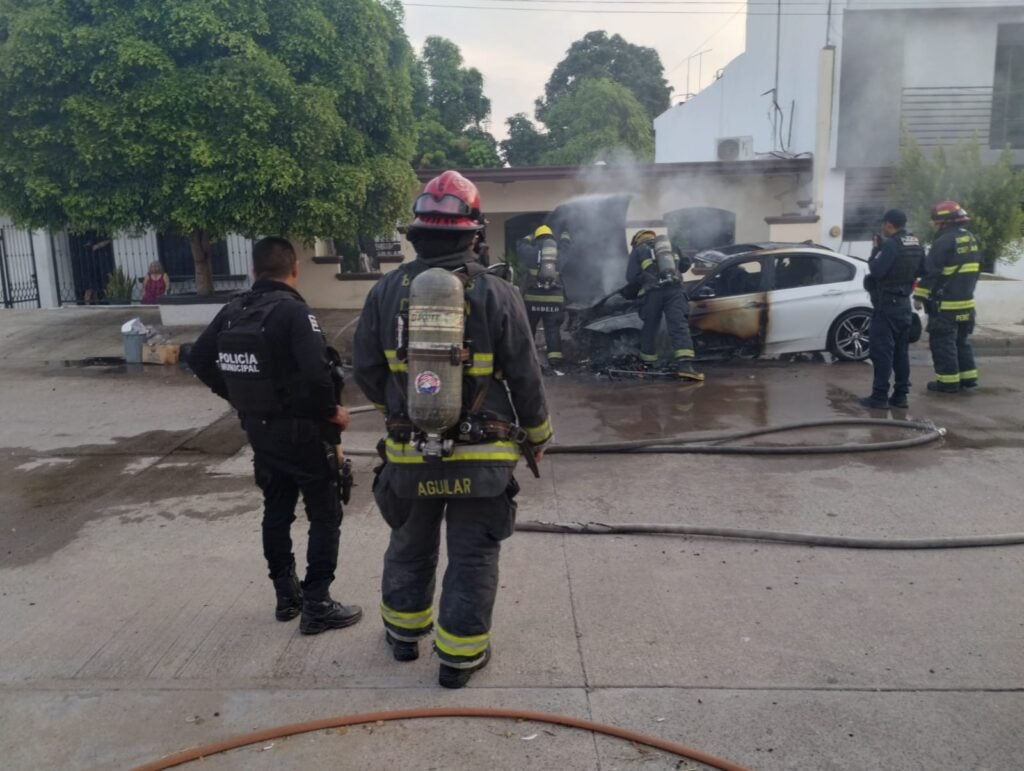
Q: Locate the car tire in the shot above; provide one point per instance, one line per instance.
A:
(848, 336)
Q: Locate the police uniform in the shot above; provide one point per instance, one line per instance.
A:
(473, 488)
(947, 289)
(660, 296)
(892, 272)
(285, 393)
(545, 298)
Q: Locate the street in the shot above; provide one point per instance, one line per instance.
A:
(138, 619)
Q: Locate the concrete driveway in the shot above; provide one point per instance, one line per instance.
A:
(137, 619)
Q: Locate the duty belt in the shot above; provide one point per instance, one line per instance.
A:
(470, 431)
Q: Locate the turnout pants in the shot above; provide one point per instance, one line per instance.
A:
(889, 345)
(289, 458)
(552, 333)
(671, 303)
(952, 355)
(475, 529)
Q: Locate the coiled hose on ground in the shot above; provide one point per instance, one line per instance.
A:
(198, 753)
(719, 444)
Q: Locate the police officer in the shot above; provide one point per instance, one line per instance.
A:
(947, 291)
(265, 354)
(892, 270)
(544, 296)
(655, 273)
(472, 487)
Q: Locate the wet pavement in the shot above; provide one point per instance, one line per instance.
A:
(137, 618)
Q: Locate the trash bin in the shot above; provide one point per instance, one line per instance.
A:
(133, 343)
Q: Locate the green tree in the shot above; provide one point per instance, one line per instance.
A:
(597, 56)
(205, 117)
(594, 119)
(451, 109)
(525, 145)
(992, 194)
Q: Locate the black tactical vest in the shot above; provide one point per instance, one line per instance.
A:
(244, 358)
(906, 267)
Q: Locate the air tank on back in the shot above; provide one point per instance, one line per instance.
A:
(666, 260)
(436, 336)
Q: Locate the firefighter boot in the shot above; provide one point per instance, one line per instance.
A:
(943, 388)
(456, 677)
(320, 613)
(402, 650)
(289, 596)
(684, 369)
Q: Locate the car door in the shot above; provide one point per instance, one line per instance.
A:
(805, 295)
(728, 308)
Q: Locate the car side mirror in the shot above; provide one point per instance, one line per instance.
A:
(705, 293)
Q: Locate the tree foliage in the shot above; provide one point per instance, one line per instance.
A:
(525, 145)
(596, 56)
(450, 106)
(205, 117)
(992, 194)
(594, 120)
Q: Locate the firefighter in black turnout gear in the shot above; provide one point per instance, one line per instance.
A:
(266, 354)
(544, 295)
(459, 469)
(655, 272)
(951, 272)
(893, 267)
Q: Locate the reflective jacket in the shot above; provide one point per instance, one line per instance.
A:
(642, 269)
(951, 271)
(502, 368)
(542, 296)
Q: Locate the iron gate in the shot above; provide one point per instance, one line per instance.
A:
(18, 281)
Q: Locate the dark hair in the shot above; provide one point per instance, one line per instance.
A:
(273, 257)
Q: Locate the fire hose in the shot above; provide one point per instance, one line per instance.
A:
(198, 753)
(719, 444)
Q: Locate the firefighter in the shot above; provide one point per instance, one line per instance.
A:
(947, 290)
(266, 354)
(463, 474)
(544, 295)
(890, 282)
(655, 274)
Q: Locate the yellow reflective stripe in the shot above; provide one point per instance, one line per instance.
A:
(956, 305)
(480, 371)
(539, 434)
(948, 378)
(648, 357)
(554, 354)
(420, 619)
(467, 647)
(483, 364)
(394, 364)
(971, 374)
(381, 407)
(545, 298)
(922, 291)
(398, 452)
(967, 267)
(683, 353)
(645, 264)
(963, 239)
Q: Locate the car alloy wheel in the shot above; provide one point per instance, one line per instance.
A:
(849, 338)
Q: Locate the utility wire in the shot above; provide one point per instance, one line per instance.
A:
(592, 10)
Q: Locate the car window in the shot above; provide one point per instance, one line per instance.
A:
(738, 278)
(836, 271)
(796, 270)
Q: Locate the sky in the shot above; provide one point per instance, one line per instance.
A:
(517, 50)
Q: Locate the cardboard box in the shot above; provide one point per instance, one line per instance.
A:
(161, 353)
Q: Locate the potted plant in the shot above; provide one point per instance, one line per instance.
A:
(119, 287)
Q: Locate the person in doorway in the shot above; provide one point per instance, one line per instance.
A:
(892, 269)
(655, 273)
(156, 283)
(266, 354)
(947, 291)
(472, 488)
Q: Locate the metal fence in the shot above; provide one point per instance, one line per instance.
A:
(19, 284)
(84, 263)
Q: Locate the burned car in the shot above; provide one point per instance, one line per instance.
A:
(749, 300)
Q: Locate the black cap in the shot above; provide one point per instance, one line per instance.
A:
(895, 217)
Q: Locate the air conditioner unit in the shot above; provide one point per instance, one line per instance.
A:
(734, 148)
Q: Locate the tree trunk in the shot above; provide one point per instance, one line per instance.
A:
(202, 256)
